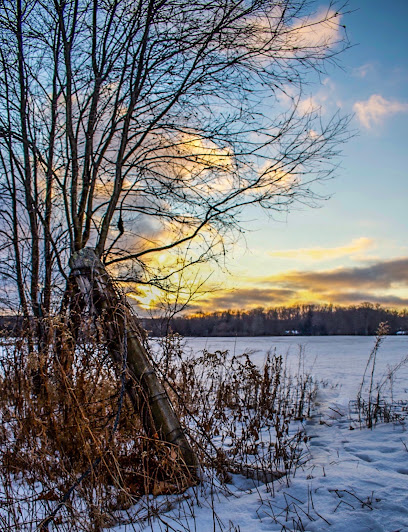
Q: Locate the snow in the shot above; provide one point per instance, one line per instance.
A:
(353, 479)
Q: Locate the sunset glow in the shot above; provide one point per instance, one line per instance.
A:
(352, 248)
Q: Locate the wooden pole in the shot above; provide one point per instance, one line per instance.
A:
(158, 416)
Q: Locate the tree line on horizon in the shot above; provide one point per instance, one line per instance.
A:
(305, 320)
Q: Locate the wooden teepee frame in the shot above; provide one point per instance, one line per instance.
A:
(145, 391)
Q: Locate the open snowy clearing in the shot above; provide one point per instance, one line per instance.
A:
(353, 479)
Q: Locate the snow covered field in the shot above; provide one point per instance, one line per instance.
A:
(353, 479)
(339, 359)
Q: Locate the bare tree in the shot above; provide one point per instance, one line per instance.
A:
(144, 129)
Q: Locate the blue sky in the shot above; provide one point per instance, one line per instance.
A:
(354, 247)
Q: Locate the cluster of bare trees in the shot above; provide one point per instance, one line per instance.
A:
(313, 320)
(144, 128)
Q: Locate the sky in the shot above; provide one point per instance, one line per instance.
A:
(353, 248)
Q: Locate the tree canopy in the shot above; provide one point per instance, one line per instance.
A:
(144, 129)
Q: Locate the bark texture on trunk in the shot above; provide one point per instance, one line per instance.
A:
(123, 333)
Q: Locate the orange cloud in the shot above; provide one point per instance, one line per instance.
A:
(384, 282)
(241, 298)
(381, 275)
(319, 253)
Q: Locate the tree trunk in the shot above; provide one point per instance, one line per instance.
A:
(123, 334)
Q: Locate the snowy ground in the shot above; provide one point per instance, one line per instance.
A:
(353, 479)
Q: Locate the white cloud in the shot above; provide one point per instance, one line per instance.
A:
(309, 105)
(363, 70)
(323, 100)
(372, 111)
(313, 36)
(320, 30)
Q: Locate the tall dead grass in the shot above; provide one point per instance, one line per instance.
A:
(239, 414)
(375, 398)
(73, 453)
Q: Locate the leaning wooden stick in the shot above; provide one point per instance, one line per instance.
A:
(158, 416)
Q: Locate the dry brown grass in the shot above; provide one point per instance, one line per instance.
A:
(73, 449)
(375, 401)
(76, 430)
(239, 415)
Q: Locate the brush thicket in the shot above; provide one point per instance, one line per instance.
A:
(73, 447)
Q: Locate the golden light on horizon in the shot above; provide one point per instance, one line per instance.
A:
(381, 282)
(147, 297)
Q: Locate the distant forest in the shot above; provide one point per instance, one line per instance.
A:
(306, 320)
